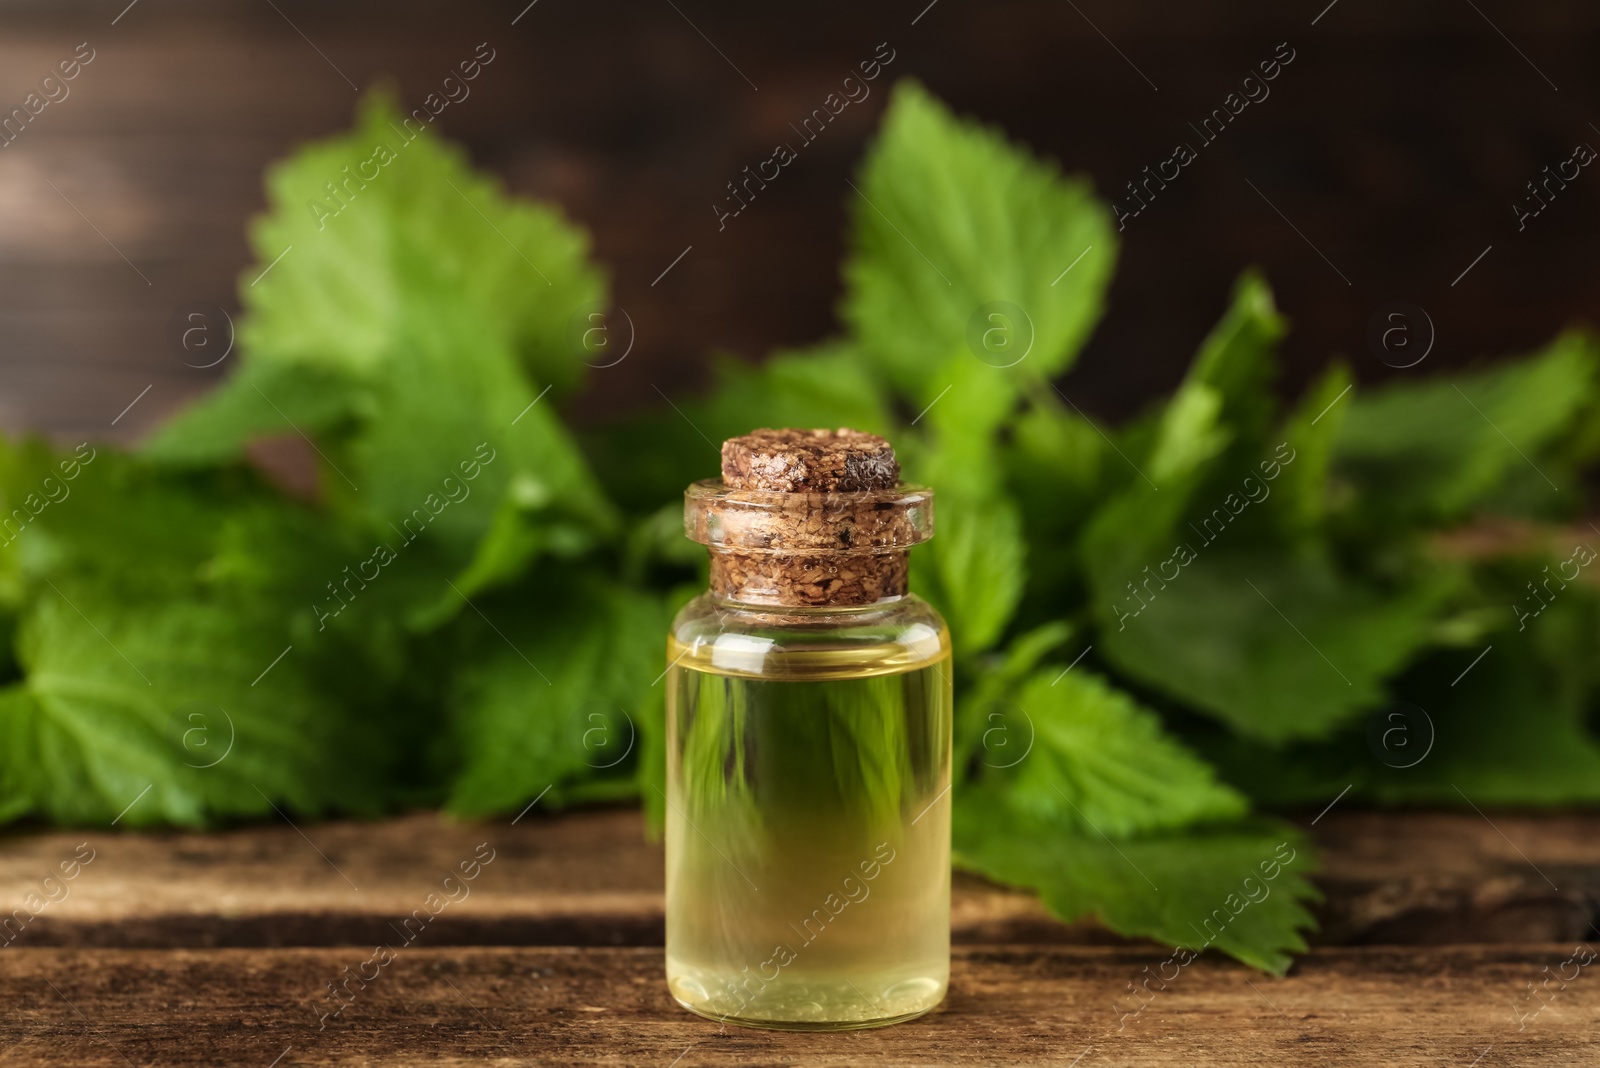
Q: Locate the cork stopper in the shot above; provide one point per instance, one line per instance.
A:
(809, 461)
(808, 518)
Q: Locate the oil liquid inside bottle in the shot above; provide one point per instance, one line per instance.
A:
(808, 832)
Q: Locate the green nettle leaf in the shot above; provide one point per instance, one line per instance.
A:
(1513, 731)
(1506, 735)
(1213, 427)
(1236, 361)
(152, 606)
(1189, 434)
(1277, 645)
(1312, 429)
(981, 712)
(368, 270)
(973, 570)
(1071, 749)
(957, 448)
(254, 403)
(120, 697)
(551, 691)
(1192, 587)
(830, 385)
(1239, 888)
(423, 230)
(647, 460)
(1080, 795)
(1434, 450)
(951, 220)
(453, 469)
(1059, 463)
(1058, 469)
(414, 325)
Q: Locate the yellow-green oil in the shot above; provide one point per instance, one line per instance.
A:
(808, 831)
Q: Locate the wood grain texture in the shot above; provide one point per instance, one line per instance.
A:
(1062, 1005)
(554, 957)
(592, 878)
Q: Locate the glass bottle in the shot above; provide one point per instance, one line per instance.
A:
(809, 745)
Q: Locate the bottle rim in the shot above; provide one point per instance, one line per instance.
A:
(845, 522)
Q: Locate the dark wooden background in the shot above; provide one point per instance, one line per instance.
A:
(1396, 143)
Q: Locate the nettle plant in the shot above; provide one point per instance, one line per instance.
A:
(1148, 645)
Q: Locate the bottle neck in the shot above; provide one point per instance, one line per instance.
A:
(798, 579)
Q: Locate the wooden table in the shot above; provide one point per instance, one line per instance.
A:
(218, 948)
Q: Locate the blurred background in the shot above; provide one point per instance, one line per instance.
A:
(1383, 166)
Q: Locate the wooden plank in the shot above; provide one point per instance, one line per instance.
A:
(592, 878)
(1061, 1005)
(569, 880)
(1439, 878)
